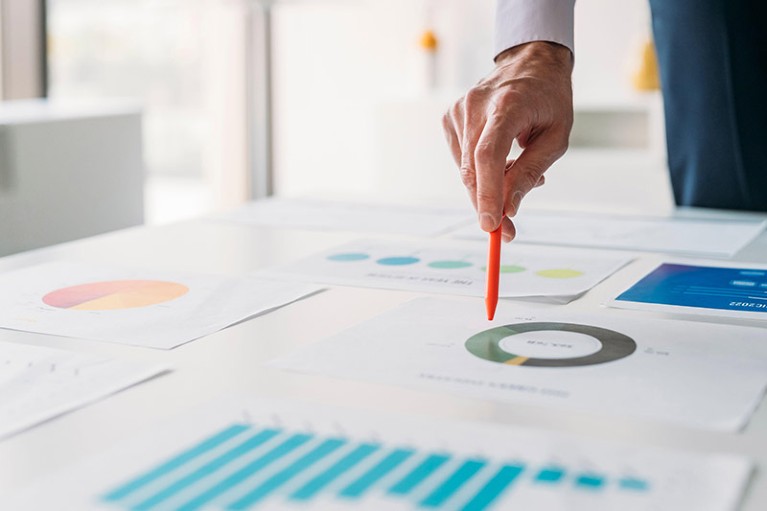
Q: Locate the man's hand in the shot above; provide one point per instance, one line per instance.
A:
(528, 97)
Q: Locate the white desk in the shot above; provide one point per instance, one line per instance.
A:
(232, 360)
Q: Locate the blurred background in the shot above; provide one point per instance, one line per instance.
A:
(159, 110)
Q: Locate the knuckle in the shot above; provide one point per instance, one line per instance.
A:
(483, 154)
(475, 95)
(468, 177)
(507, 100)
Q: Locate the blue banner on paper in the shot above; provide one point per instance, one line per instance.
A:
(732, 289)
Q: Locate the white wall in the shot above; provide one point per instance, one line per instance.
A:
(352, 117)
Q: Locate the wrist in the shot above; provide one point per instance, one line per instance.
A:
(552, 53)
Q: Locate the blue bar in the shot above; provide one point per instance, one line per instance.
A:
(277, 452)
(207, 469)
(452, 484)
(284, 475)
(630, 483)
(493, 488)
(372, 476)
(550, 475)
(419, 474)
(175, 462)
(590, 481)
(315, 485)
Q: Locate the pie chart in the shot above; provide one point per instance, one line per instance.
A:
(113, 295)
(558, 348)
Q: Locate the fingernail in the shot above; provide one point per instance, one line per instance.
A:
(506, 237)
(487, 222)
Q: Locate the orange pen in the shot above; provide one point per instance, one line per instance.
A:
(493, 272)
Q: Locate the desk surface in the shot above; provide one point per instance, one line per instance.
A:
(233, 360)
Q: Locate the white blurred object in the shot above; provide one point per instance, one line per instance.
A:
(68, 171)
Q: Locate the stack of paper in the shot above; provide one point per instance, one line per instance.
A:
(706, 237)
(38, 383)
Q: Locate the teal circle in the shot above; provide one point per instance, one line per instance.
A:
(449, 265)
(398, 261)
(349, 257)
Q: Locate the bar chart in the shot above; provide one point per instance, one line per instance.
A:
(243, 466)
(281, 455)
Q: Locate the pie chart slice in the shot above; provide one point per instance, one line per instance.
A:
(113, 295)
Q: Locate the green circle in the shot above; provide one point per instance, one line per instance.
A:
(559, 273)
(449, 265)
(509, 268)
(487, 345)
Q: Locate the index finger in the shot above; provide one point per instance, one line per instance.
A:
(490, 155)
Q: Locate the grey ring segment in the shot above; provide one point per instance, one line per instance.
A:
(615, 345)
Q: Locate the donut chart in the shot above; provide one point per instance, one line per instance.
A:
(613, 345)
(114, 295)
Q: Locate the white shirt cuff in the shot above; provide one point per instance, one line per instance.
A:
(522, 21)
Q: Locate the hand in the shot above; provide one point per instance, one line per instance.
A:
(528, 97)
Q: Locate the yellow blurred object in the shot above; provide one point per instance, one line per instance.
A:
(646, 77)
(428, 41)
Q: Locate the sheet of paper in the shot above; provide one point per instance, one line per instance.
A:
(282, 455)
(696, 236)
(156, 309)
(344, 216)
(39, 383)
(736, 291)
(662, 370)
(557, 275)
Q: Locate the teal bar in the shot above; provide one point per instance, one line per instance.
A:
(368, 479)
(277, 452)
(589, 481)
(286, 474)
(452, 484)
(315, 485)
(178, 461)
(630, 483)
(419, 474)
(493, 488)
(550, 475)
(207, 469)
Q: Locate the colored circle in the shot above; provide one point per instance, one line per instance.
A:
(509, 268)
(487, 345)
(117, 294)
(559, 273)
(449, 265)
(398, 261)
(349, 257)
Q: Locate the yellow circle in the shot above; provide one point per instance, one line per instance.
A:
(559, 273)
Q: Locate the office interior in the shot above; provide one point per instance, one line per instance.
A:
(128, 129)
